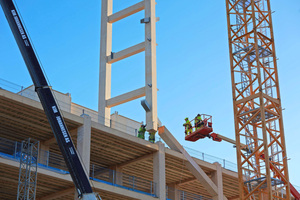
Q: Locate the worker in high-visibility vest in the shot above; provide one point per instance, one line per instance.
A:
(187, 126)
(152, 137)
(198, 122)
(141, 132)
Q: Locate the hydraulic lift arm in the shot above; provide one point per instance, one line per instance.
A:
(49, 104)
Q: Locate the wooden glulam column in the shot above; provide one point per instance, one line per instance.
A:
(159, 171)
(150, 65)
(84, 142)
(105, 67)
(107, 58)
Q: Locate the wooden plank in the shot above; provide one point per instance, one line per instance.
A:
(126, 53)
(126, 12)
(123, 98)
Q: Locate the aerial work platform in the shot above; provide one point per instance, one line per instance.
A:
(200, 132)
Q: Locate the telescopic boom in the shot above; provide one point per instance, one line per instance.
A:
(49, 104)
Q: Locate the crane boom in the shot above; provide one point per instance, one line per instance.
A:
(48, 102)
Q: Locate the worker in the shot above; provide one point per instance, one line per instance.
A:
(188, 127)
(198, 122)
(152, 137)
(152, 134)
(141, 132)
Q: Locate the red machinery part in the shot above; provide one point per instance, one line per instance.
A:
(215, 137)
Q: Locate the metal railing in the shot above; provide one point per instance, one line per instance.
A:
(183, 195)
(211, 159)
(123, 180)
(190, 196)
(55, 162)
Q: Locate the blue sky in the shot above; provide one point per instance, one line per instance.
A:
(192, 62)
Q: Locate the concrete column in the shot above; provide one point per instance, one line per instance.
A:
(159, 171)
(43, 154)
(84, 142)
(173, 192)
(217, 179)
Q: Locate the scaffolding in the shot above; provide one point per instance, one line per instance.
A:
(28, 169)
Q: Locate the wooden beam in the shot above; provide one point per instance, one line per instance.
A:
(126, 12)
(123, 98)
(194, 168)
(126, 53)
(234, 197)
(52, 140)
(139, 159)
(59, 194)
(24, 121)
(186, 181)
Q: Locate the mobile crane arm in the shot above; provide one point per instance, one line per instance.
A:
(49, 104)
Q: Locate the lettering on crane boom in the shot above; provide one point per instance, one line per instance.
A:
(54, 109)
(71, 150)
(62, 128)
(21, 30)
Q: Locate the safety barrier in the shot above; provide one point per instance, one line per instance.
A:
(122, 180)
(190, 196)
(183, 195)
(211, 159)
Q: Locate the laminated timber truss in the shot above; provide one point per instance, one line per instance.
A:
(107, 58)
(263, 171)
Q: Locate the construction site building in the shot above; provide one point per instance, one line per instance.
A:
(120, 165)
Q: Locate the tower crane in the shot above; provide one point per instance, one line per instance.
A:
(260, 141)
(52, 111)
(263, 172)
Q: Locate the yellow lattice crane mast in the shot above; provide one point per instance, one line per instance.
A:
(263, 170)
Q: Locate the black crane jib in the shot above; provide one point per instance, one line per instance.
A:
(46, 97)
